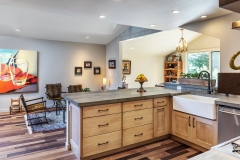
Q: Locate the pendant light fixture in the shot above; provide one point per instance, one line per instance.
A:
(182, 45)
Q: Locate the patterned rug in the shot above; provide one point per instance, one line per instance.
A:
(54, 122)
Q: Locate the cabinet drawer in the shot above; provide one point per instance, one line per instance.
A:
(137, 105)
(137, 118)
(101, 110)
(101, 143)
(158, 102)
(137, 134)
(100, 125)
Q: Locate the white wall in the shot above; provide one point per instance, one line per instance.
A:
(113, 76)
(229, 38)
(56, 64)
(152, 66)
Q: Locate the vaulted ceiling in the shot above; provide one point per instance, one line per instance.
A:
(74, 20)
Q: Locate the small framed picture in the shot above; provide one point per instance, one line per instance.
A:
(170, 58)
(97, 70)
(78, 70)
(87, 64)
(126, 67)
(112, 64)
(176, 59)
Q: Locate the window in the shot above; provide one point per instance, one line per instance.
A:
(210, 61)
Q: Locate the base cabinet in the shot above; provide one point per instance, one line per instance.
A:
(197, 130)
(161, 121)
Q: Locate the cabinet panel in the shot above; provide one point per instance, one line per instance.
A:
(101, 110)
(137, 134)
(204, 132)
(161, 121)
(101, 143)
(103, 124)
(158, 102)
(137, 105)
(137, 118)
(181, 125)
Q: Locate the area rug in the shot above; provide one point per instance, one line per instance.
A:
(55, 122)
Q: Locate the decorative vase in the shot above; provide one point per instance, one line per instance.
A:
(141, 86)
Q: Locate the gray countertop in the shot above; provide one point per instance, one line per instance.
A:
(83, 99)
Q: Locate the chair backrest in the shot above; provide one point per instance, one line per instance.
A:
(53, 90)
(23, 101)
(15, 102)
(75, 88)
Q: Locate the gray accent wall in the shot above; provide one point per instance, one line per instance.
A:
(56, 62)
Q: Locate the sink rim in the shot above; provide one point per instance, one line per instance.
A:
(196, 100)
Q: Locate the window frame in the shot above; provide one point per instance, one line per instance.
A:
(202, 50)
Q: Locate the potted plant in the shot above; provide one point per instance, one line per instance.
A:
(191, 79)
(86, 90)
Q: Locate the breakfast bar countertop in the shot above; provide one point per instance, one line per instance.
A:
(84, 99)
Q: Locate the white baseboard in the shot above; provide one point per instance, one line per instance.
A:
(4, 110)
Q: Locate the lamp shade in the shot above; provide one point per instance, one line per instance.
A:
(104, 81)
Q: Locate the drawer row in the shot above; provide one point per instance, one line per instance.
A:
(101, 110)
(109, 123)
(117, 139)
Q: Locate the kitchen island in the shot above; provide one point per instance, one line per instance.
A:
(105, 122)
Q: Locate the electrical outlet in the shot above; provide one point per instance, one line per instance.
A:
(179, 87)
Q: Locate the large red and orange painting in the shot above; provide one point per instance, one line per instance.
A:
(18, 71)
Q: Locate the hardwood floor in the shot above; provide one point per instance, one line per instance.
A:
(17, 144)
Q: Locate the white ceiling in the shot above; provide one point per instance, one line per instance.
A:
(161, 44)
(73, 20)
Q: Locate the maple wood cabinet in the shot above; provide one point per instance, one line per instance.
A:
(200, 131)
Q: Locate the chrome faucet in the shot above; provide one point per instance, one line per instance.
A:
(209, 90)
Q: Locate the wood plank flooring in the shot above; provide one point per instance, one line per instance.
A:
(17, 144)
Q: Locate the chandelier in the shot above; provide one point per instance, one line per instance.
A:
(182, 45)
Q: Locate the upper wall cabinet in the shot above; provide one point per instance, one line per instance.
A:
(232, 5)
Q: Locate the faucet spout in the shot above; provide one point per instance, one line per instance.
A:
(208, 74)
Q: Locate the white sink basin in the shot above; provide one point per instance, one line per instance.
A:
(196, 105)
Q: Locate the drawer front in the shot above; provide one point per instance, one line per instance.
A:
(101, 143)
(137, 105)
(103, 124)
(158, 102)
(137, 118)
(137, 134)
(101, 110)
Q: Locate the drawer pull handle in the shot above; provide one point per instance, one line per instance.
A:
(138, 105)
(102, 143)
(160, 109)
(105, 110)
(101, 125)
(136, 135)
(138, 118)
(161, 102)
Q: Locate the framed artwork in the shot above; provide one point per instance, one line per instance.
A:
(87, 64)
(18, 71)
(78, 70)
(126, 67)
(112, 64)
(97, 70)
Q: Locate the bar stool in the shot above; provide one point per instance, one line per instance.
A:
(15, 105)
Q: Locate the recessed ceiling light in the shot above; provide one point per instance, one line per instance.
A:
(101, 16)
(175, 11)
(18, 30)
(131, 48)
(203, 16)
(87, 37)
(152, 25)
